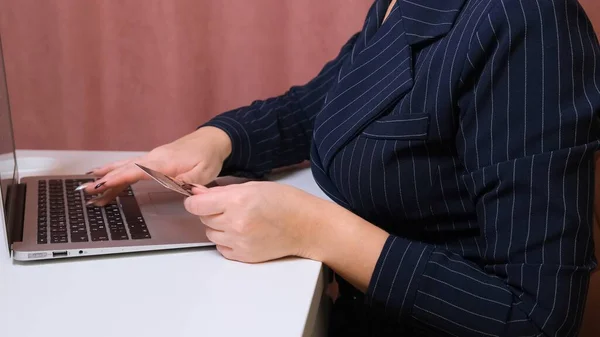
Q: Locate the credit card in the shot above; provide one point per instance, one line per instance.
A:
(168, 182)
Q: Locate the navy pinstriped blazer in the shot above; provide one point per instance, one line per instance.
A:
(466, 129)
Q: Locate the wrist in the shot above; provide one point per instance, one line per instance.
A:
(314, 227)
(220, 140)
(333, 230)
(346, 243)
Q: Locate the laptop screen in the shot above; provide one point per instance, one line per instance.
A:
(8, 165)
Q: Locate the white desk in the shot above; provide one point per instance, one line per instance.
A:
(178, 293)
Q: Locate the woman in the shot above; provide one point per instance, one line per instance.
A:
(456, 139)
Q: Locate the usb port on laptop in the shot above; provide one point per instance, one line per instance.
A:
(59, 254)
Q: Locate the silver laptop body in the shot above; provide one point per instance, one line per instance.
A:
(46, 219)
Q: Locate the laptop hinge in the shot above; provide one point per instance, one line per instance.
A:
(15, 207)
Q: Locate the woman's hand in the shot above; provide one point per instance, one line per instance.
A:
(262, 221)
(258, 221)
(195, 158)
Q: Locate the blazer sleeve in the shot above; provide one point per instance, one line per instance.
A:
(277, 131)
(528, 131)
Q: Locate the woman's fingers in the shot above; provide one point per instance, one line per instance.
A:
(226, 252)
(217, 237)
(114, 182)
(116, 179)
(205, 204)
(108, 196)
(215, 222)
(102, 171)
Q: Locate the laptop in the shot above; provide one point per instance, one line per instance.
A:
(46, 218)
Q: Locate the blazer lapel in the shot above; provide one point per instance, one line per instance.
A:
(379, 71)
(429, 19)
(370, 79)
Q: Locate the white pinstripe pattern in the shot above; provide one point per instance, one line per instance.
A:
(400, 194)
(349, 177)
(384, 183)
(492, 110)
(409, 136)
(468, 293)
(360, 194)
(543, 73)
(354, 85)
(429, 8)
(525, 81)
(384, 259)
(460, 325)
(507, 106)
(371, 178)
(427, 23)
(376, 107)
(412, 276)
(470, 277)
(415, 183)
(396, 274)
(508, 70)
(402, 120)
(459, 308)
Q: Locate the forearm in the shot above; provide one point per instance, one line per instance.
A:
(265, 135)
(346, 243)
(409, 278)
(402, 278)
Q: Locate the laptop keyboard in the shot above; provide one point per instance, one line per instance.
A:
(64, 217)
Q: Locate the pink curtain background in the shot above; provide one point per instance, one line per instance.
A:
(592, 8)
(134, 74)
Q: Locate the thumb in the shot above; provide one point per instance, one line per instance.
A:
(198, 189)
(198, 175)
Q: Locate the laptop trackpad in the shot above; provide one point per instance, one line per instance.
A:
(168, 220)
(167, 203)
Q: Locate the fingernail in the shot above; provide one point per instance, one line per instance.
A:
(93, 200)
(80, 187)
(100, 185)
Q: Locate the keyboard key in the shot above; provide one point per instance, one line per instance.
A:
(120, 236)
(58, 238)
(102, 237)
(126, 192)
(139, 232)
(79, 237)
(140, 236)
